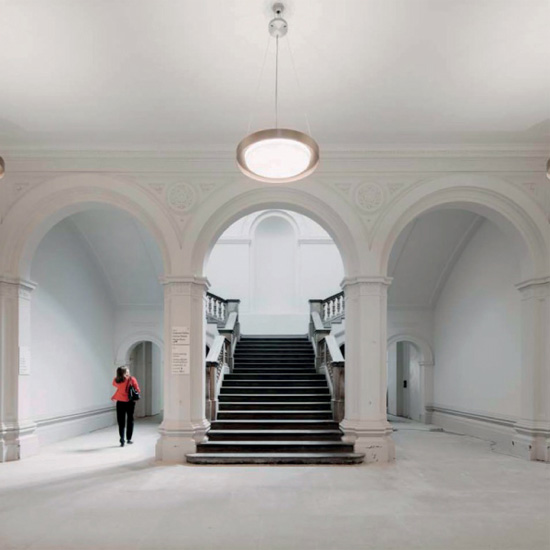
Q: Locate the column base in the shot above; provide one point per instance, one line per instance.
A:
(18, 440)
(532, 441)
(372, 438)
(177, 439)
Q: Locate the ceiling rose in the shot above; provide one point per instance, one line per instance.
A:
(277, 155)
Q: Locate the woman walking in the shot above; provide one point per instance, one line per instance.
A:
(124, 406)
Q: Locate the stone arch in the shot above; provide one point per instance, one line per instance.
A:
(40, 209)
(220, 217)
(421, 345)
(501, 202)
(126, 346)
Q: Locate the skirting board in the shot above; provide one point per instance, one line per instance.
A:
(61, 427)
(498, 430)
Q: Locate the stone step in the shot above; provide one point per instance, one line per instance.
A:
(274, 415)
(260, 446)
(274, 397)
(274, 382)
(299, 359)
(271, 369)
(274, 353)
(275, 458)
(274, 406)
(274, 424)
(272, 376)
(274, 389)
(274, 435)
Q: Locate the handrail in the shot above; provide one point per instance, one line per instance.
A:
(220, 358)
(328, 357)
(216, 365)
(336, 355)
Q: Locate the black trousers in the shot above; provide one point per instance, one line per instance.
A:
(125, 413)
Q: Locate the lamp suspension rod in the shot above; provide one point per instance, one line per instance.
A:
(277, 82)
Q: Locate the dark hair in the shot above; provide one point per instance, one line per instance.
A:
(120, 372)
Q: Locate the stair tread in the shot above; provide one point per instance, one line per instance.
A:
(281, 432)
(280, 443)
(285, 453)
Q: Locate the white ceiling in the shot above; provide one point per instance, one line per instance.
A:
(425, 254)
(183, 73)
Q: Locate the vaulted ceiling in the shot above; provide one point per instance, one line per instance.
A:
(182, 73)
(130, 260)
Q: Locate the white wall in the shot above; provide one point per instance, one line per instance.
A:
(477, 329)
(72, 326)
(274, 262)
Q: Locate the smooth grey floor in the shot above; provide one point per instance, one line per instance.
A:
(443, 492)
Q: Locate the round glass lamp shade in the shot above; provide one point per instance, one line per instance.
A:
(277, 155)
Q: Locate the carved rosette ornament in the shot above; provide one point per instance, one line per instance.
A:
(369, 197)
(181, 197)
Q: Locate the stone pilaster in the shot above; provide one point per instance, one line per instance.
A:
(365, 420)
(532, 439)
(17, 430)
(184, 421)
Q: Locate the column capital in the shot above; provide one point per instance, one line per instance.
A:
(534, 288)
(15, 286)
(367, 280)
(184, 279)
(175, 285)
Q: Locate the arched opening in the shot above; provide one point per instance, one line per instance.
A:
(454, 274)
(97, 274)
(274, 261)
(405, 381)
(145, 363)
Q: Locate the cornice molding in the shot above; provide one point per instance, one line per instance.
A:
(328, 152)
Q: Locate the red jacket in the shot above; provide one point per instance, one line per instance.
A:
(121, 393)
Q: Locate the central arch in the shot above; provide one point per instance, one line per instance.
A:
(345, 235)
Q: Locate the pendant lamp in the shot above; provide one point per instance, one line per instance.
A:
(277, 155)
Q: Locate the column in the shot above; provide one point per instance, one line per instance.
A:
(17, 430)
(184, 421)
(365, 421)
(532, 438)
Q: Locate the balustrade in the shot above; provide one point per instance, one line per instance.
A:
(225, 313)
(333, 308)
(328, 357)
(216, 308)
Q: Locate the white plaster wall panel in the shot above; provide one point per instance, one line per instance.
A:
(321, 271)
(228, 273)
(275, 282)
(136, 324)
(477, 329)
(72, 326)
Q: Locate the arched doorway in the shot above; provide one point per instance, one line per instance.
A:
(75, 308)
(145, 363)
(480, 326)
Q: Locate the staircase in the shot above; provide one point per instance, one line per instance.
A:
(274, 409)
